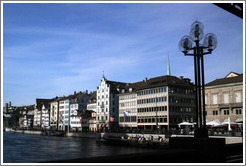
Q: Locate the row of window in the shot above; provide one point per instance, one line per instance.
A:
(215, 112)
(180, 109)
(152, 109)
(181, 119)
(152, 100)
(106, 110)
(227, 112)
(102, 118)
(75, 122)
(175, 99)
(226, 98)
(180, 90)
(103, 90)
(128, 119)
(152, 91)
(64, 102)
(102, 97)
(128, 110)
(106, 103)
(128, 104)
(239, 111)
(75, 106)
(152, 120)
(125, 97)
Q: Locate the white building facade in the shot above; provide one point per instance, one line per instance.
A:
(107, 108)
(45, 116)
(64, 105)
(54, 110)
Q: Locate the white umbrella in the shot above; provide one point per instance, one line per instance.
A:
(212, 123)
(185, 124)
(226, 123)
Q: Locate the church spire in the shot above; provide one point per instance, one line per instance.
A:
(168, 66)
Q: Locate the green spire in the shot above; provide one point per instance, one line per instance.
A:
(168, 66)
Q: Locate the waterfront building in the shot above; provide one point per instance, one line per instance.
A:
(92, 107)
(77, 104)
(26, 116)
(107, 104)
(160, 102)
(76, 120)
(128, 106)
(54, 113)
(63, 116)
(224, 98)
(42, 113)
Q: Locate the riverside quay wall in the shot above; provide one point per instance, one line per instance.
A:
(228, 140)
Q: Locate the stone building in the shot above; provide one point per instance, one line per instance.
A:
(8, 108)
(160, 102)
(224, 98)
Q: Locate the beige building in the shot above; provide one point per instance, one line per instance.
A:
(128, 107)
(224, 98)
(161, 102)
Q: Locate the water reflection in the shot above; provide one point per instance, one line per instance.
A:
(24, 148)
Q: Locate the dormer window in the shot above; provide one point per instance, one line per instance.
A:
(130, 89)
(122, 90)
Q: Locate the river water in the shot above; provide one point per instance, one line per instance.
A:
(27, 148)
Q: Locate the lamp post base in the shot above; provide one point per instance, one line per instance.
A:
(201, 133)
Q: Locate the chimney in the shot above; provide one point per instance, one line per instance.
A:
(181, 77)
(187, 80)
(10, 104)
(145, 79)
(75, 92)
(86, 91)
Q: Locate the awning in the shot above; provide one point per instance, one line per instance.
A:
(185, 124)
(212, 123)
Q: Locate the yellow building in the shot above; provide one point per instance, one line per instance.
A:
(224, 98)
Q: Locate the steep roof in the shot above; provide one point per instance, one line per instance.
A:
(93, 97)
(41, 102)
(116, 85)
(226, 80)
(77, 96)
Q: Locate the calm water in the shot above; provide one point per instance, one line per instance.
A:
(27, 148)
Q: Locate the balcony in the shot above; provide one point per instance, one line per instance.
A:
(231, 105)
(92, 121)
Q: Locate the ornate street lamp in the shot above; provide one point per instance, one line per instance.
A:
(186, 45)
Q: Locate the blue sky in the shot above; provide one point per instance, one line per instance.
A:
(55, 49)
